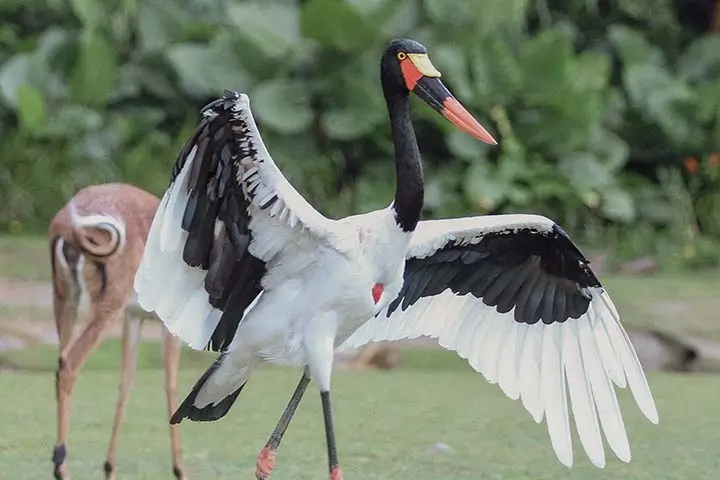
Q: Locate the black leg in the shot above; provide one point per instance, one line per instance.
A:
(266, 459)
(334, 464)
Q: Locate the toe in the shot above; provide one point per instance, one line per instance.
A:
(265, 464)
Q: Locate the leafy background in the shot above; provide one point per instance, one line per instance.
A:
(607, 111)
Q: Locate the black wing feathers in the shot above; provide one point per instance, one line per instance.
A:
(541, 274)
(216, 217)
(208, 413)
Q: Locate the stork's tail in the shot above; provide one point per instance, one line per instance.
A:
(214, 393)
(98, 235)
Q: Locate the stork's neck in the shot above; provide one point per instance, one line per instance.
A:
(409, 191)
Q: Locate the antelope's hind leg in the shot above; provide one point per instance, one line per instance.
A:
(172, 348)
(132, 328)
(66, 299)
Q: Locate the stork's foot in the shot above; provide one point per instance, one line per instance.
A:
(58, 458)
(265, 463)
(336, 474)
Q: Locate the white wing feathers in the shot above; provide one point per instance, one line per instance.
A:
(548, 365)
(227, 203)
(263, 178)
(431, 236)
(164, 283)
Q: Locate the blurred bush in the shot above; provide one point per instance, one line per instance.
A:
(597, 104)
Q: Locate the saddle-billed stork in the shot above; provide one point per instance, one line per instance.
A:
(238, 262)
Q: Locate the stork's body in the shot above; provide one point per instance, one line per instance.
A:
(314, 297)
(238, 261)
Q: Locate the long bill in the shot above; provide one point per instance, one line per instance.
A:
(423, 79)
(434, 93)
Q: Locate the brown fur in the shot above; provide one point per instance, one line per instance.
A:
(90, 262)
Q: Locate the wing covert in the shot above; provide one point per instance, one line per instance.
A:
(528, 265)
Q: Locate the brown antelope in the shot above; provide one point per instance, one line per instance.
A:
(96, 242)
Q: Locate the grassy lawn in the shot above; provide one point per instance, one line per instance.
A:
(385, 423)
(685, 303)
(24, 257)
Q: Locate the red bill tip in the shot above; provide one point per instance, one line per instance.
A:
(456, 113)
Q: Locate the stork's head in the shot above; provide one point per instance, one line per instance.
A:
(406, 67)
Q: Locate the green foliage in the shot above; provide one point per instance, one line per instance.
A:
(590, 103)
(30, 108)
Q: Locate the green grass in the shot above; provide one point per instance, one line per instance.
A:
(24, 257)
(680, 303)
(385, 422)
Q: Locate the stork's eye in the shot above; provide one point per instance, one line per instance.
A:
(401, 55)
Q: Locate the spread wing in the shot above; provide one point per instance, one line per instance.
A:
(227, 212)
(516, 297)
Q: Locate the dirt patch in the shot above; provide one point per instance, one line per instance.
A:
(27, 318)
(23, 293)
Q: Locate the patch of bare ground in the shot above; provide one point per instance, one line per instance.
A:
(26, 316)
(26, 319)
